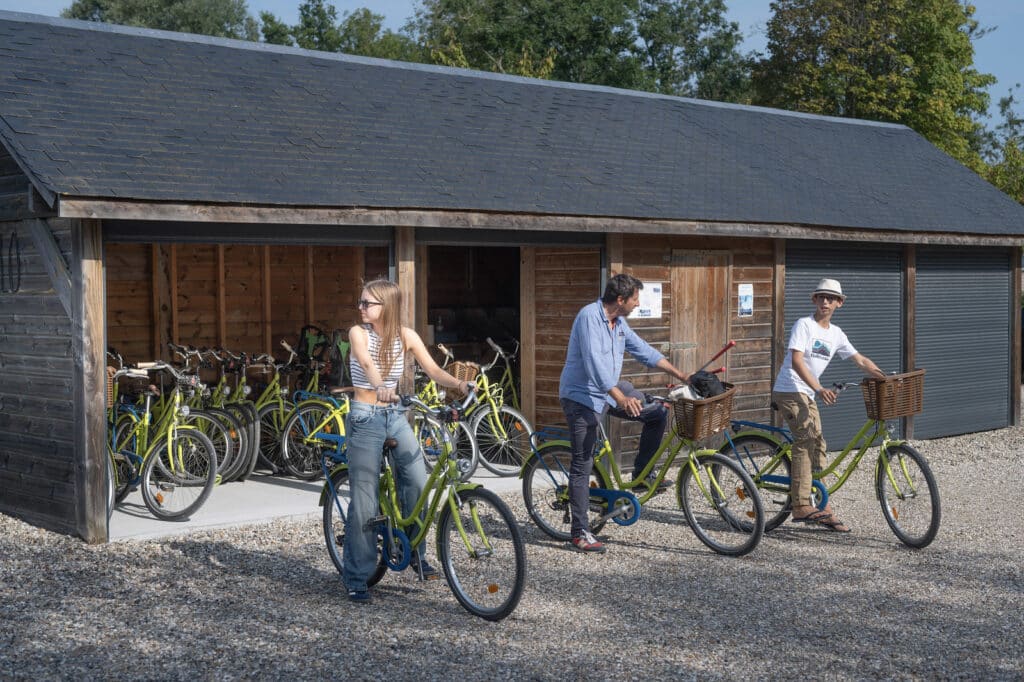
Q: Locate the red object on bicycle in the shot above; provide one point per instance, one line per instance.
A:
(717, 355)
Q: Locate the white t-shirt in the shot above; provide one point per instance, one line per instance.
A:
(818, 345)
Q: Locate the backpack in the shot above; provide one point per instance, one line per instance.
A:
(338, 373)
(706, 384)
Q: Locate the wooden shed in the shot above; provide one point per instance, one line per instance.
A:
(161, 187)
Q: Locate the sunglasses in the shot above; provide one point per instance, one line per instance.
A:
(828, 298)
(364, 304)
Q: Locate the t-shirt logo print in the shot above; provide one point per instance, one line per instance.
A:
(821, 349)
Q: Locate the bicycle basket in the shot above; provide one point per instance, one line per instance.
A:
(900, 395)
(698, 419)
(463, 371)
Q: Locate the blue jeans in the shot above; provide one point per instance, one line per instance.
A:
(582, 422)
(368, 427)
(654, 416)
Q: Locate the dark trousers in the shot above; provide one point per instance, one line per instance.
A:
(583, 421)
(654, 416)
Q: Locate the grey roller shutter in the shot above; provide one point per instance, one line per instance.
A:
(964, 319)
(871, 277)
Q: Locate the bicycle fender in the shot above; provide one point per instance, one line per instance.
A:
(325, 492)
(545, 444)
(754, 432)
(613, 496)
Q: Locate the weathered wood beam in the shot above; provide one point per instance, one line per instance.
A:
(53, 261)
(135, 210)
(528, 331)
(89, 346)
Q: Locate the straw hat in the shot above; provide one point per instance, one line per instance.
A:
(829, 286)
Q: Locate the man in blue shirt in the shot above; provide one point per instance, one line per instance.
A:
(590, 385)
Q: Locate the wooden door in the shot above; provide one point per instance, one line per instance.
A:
(701, 294)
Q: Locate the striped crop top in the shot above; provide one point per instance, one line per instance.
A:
(359, 379)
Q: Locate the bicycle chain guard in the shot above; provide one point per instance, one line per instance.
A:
(397, 563)
(621, 502)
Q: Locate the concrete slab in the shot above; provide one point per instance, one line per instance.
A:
(261, 498)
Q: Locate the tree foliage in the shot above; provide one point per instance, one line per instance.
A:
(222, 18)
(673, 46)
(1006, 151)
(905, 61)
(359, 32)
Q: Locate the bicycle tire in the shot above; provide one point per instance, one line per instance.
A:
(334, 527)
(502, 454)
(301, 456)
(753, 451)
(219, 426)
(546, 492)
(485, 562)
(253, 425)
(721, 504)
(171, 492)
(123, 470)
(272, 421)
(432, 442)
(914, 520)
(240, 464)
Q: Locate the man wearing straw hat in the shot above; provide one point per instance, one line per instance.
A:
(813, 342)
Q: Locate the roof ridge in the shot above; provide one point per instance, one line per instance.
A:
(77, 24)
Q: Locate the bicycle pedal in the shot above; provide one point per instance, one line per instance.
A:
(375, 521)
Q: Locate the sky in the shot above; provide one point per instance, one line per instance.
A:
(999, 53)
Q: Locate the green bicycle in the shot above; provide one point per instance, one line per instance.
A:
(479, 545)
(717, 496)
(904, 483)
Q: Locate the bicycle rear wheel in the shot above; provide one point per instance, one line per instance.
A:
(908, 494)
(721, 504)
(546, 492)
(178, 477)
(503, 440)
(482, 554)
(754, 453)
(301, 445)
(272, 419)
(335, 511)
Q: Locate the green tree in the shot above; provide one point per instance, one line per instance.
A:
(1006, 169)
(690, 49)
(318, 26)
(275, 31)
(905, 61)
(222, 18)
(362, 32)
(682, 47)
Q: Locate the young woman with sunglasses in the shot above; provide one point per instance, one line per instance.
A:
(380, 345)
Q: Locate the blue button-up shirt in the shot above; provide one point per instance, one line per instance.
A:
(593, 361)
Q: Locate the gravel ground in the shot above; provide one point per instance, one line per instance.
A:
(263, 601)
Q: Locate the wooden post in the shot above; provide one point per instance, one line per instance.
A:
(405, 257)
(89, 344)
(779, 319)
(613, 249)
(310, 293)
(268, 342)
(173, 277)
(422, 302)
(909, 321)
(528, 332)
(1015, 336)
(222, 313)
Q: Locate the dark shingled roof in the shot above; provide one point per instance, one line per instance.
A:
(93, 110)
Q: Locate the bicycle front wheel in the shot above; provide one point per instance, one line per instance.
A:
(908, 494)
(272, 419)
(482, 554)
(179, 475)
(503, 440)
(335, 512)
(546, 492)
(721, 504)
(308, 433)
(756, 453)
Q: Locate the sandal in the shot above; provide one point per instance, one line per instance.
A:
(824, 518)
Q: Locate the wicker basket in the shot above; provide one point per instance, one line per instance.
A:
(698, 419)
(900, 395)
(463, 371)
(259, 372)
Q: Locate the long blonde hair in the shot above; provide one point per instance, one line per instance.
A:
(390, 322)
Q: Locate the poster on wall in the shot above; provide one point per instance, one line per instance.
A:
(746, 292)
(650, 302)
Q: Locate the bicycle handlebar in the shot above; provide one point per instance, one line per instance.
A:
(410, 400)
